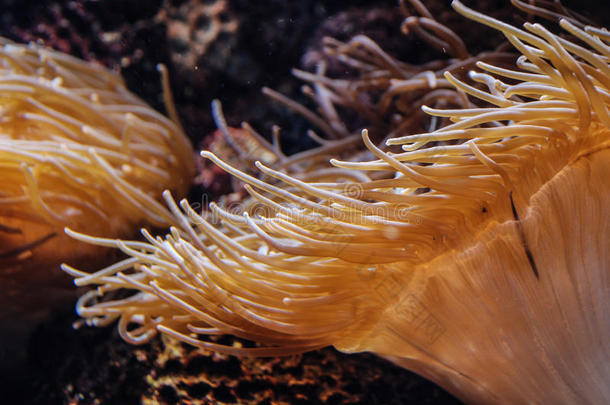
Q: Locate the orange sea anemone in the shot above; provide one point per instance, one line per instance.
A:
(479, 261)
(76, 149)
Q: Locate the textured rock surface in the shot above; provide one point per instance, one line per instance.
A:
(95, 366)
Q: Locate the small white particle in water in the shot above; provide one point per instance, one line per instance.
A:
(391, 232)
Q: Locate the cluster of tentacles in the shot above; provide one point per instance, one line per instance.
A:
(76, 148)
(293, 270)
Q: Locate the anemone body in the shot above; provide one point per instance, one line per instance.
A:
(476, 256)
(519, 315)
(76, 149)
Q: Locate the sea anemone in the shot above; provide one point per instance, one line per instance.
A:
(478, 260)
(76, 149)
